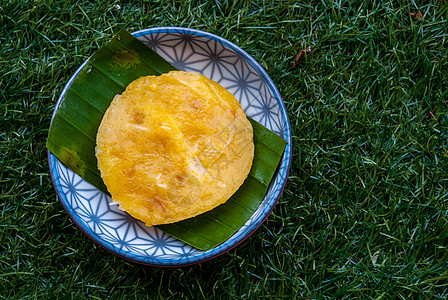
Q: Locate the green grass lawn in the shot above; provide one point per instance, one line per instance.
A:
(364, 212)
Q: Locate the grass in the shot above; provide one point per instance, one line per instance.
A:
(364, 213)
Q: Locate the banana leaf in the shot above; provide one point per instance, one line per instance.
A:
(72, 137)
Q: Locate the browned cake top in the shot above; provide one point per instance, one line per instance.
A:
(173, 146)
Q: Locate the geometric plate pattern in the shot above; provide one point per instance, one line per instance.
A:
(222, 61)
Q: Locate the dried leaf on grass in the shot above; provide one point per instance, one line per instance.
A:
(417, 16)
(299, 55)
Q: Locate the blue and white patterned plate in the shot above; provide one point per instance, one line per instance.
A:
(222, 61)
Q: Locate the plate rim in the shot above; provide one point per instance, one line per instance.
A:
(237, 238)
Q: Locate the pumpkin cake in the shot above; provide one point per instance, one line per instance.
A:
(173, 146)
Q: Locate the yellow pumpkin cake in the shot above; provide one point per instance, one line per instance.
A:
(173, 146)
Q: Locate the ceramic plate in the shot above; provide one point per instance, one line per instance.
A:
(221, 61)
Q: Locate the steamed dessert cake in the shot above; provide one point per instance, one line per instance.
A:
(173, 146)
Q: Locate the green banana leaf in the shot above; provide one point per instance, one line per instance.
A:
(72, 137)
